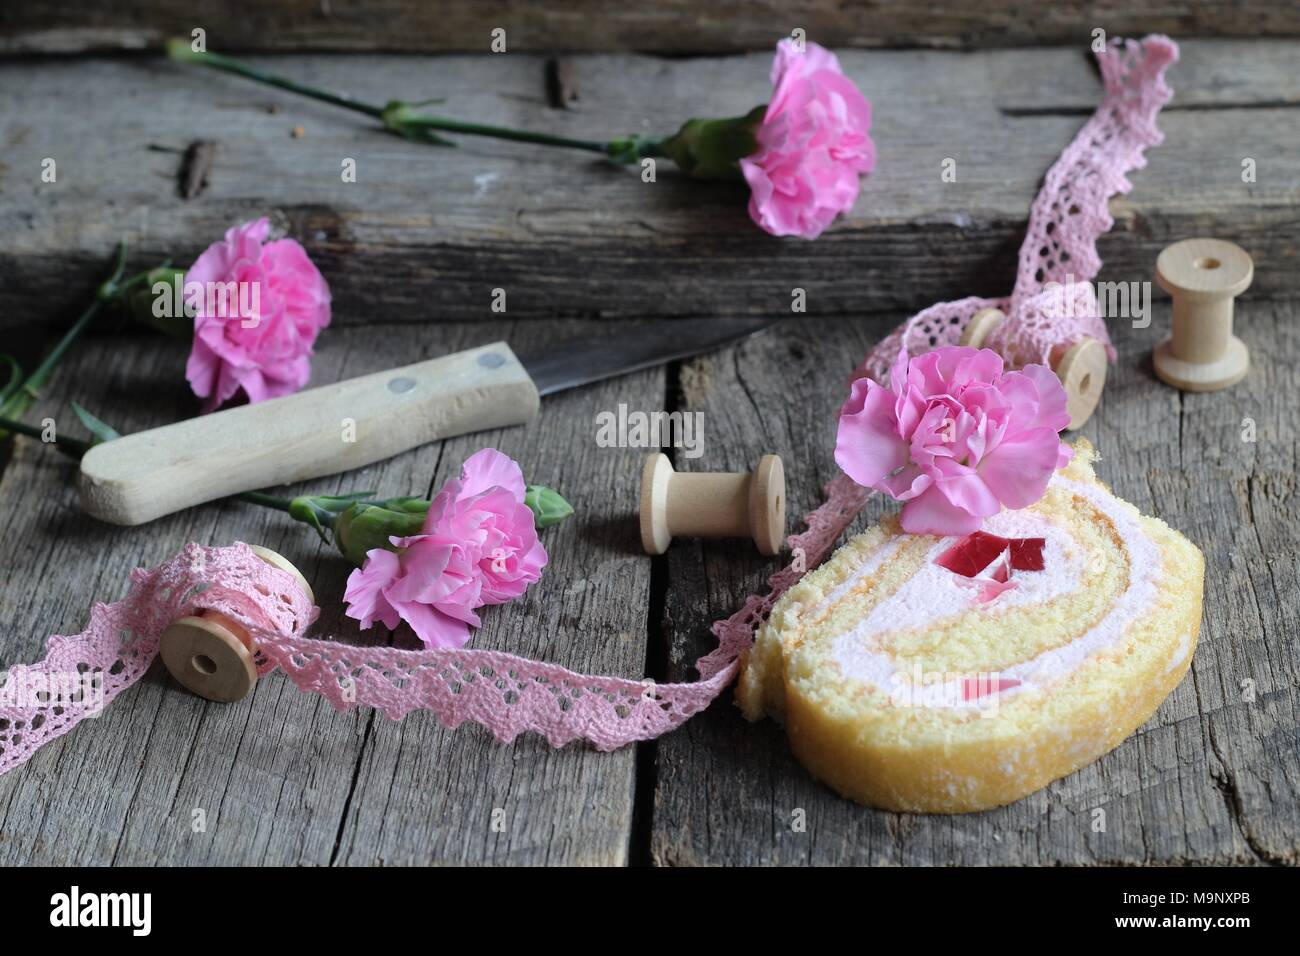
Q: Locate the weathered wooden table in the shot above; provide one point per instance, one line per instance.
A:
(413, 250)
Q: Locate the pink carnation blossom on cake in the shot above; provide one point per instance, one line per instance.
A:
(954, 437)
(478, 545)
(257, 334)
(813, 144)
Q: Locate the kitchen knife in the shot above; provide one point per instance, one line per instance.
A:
(350, 424)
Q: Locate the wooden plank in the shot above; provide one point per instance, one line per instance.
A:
(1242, 447)
(589, 612)
(427, 234)
(1211, 778)
(670, 26)
(283, 778)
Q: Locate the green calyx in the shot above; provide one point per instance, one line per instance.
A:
(367, 525)
(713, 148)
(160, 302)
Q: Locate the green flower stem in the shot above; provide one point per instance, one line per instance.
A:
(33, 384)
(396, 115)
(17, 400)
(501, 132)
(29, 390)
(267, 501)
(111, 288)
(181, 51)
(74, 448)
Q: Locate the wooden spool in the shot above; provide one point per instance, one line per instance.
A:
(210, 653)
(712, 504)
(1203, 276)
(1081, 367)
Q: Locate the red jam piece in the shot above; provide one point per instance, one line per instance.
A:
(972, 554)
(1027, 553)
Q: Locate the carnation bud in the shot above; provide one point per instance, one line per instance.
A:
(547, 505)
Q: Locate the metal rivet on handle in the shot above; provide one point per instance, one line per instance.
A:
(491, 360)
(400, 385)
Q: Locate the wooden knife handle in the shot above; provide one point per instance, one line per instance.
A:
(321, 431)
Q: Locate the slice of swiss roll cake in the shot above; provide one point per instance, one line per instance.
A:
(945, 675)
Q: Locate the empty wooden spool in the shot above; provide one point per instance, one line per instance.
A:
(1081, 367)
(1203, 276)
(712, 504)
(210, 653)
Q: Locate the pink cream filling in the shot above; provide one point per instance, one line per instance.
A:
(934, 593)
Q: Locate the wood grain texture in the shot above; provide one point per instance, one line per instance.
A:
(668, 26)
(1213, 777)
(426, 234)
(282, 777)
(413, 251)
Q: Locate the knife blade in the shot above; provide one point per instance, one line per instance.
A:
(322, 431)
(594, 359)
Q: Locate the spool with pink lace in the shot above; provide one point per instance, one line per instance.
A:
(1051, 309)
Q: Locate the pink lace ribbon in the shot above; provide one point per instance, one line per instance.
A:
(1053, 304)
(81, 675)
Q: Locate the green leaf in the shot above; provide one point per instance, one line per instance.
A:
(101, 430)
(337, 504)
(15, 377)
(548, 506)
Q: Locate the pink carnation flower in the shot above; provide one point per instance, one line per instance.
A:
(954, 437)
(813, 145)
(263, 348)
(429, 582)
(485, 508)
(478, 546)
